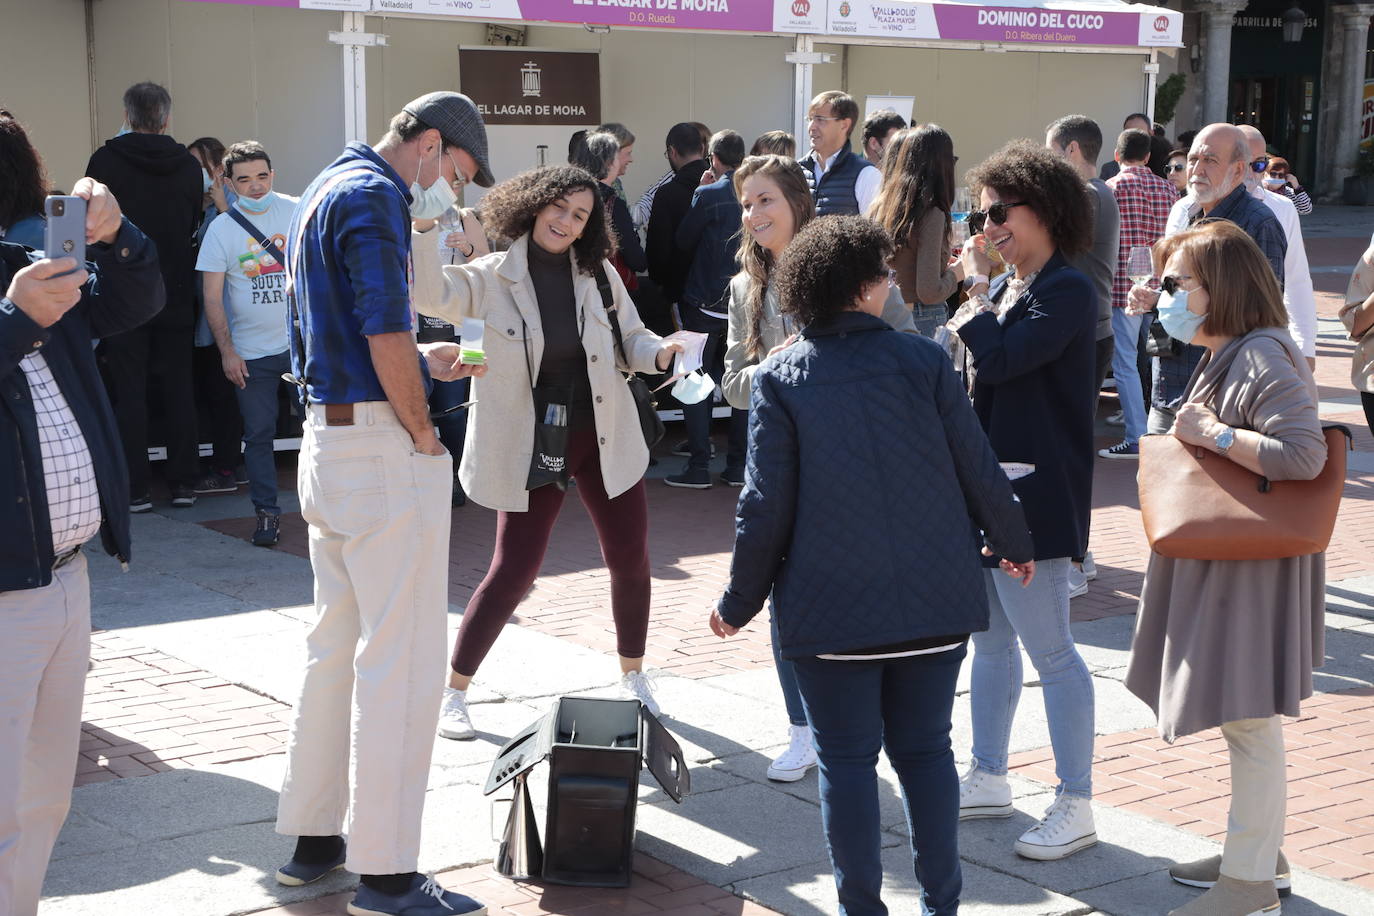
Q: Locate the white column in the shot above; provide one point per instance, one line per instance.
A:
(1354, 23)
(803, 59)
(1151, 70)
(354, 40)
(1217, 19)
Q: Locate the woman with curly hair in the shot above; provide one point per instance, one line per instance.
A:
(914, 206)
(1031, 337)
(23, 186)
(875, 588)
(549, 346)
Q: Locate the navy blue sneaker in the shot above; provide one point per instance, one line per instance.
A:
(425, 898)
(294, 874)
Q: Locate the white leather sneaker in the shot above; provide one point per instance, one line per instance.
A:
(636, 685)
(981, 794)
(454, 720)
(800, 756)
(1066, 828)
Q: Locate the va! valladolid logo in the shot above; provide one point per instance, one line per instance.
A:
(801, 7)
(1161, 24)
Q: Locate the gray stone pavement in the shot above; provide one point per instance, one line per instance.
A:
(201, 840)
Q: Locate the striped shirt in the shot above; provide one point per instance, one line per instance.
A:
(68, 471)
(1144, 200)
(350, 277)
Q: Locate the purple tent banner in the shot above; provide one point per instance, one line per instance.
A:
(717, 15)
(1038, 26)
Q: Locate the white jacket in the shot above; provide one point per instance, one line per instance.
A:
(500, 438)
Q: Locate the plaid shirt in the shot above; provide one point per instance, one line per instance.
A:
(1144, 200)
(351, 278)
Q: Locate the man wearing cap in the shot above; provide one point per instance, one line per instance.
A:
(374, 489)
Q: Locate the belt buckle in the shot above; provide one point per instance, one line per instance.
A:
(65, 558)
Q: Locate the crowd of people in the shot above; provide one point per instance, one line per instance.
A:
(861, 326)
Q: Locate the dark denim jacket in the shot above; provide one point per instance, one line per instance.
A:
(711, 230)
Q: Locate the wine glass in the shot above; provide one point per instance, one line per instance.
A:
(1139, 265)
(962, 204)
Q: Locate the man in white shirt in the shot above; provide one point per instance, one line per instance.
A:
(1298, 295)
(243, 272)
(841, 181)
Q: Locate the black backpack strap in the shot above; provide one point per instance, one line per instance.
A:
(267, 244)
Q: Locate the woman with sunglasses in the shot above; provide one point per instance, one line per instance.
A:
(1232, 643)
(914, 205)
(1032, 341)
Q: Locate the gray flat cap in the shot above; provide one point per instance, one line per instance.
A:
(458, 121)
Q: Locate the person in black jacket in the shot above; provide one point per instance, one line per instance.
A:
(877, 637)
(668, 264)
(64, 482)
(1032, 340)
(160, 186)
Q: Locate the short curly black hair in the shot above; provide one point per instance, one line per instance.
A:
(508, 210)
(828, 265)
(1024, 171)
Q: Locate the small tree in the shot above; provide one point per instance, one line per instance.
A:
(1167, 95)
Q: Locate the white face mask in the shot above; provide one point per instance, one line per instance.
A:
(694, 388)
(431, 202)
(261, 205)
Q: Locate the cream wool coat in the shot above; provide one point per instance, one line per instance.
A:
(500, 438)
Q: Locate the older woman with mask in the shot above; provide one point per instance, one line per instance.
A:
(1232, 643)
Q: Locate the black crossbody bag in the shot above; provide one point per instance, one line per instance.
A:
(645, 405)
(261, 237)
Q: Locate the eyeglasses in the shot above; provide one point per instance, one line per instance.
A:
(821, 119)
(997, 212)
(1175, 168)
(1260, 165)
(1172, 285)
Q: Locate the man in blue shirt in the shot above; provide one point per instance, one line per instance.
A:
(374, 489)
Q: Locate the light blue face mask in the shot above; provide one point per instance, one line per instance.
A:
(694, 388)
(259, 206)
(431, 202)
(206, 182)
(1178, 322)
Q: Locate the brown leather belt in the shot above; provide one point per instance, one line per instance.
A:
(338, 415)
(64, 559)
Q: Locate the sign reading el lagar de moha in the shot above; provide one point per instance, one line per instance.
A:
(518, 86)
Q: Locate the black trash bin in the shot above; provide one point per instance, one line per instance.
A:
(595, 749)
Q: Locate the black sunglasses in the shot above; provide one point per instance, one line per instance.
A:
(997, 212)
(1175, 168)
(1170, 285)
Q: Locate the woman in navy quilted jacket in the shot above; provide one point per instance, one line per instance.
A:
(1031, 340)
(876, 638)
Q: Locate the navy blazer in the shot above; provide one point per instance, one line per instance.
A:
(711, 230)
(1034, 391)
(865, 466)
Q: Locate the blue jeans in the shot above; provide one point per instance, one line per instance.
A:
(902, 705)
(928, 318)
(1039, 615)
(1126, 329)
(787, 675)
(258, 404)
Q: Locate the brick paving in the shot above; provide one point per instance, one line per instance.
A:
(1330, 827)
(656, 888)
(146, 712)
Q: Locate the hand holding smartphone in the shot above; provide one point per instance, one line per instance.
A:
(65, 234)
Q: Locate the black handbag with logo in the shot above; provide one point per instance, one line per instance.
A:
(645, 405)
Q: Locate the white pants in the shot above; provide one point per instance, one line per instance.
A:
(379, 523)
(1259, 798)
(45, 646)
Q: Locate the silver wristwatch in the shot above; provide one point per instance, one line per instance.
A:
(1224, 440)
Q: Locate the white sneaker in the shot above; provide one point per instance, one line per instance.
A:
(1078, 581)
(454, 720)
(636, 685)
(800, 756)
(981, 794)
(1066, 828)
(1089, 567)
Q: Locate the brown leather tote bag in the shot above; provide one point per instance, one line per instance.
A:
(1198, 505)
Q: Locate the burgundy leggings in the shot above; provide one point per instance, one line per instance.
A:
(622, 528)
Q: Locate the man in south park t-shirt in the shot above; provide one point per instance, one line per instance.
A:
(244, 290)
